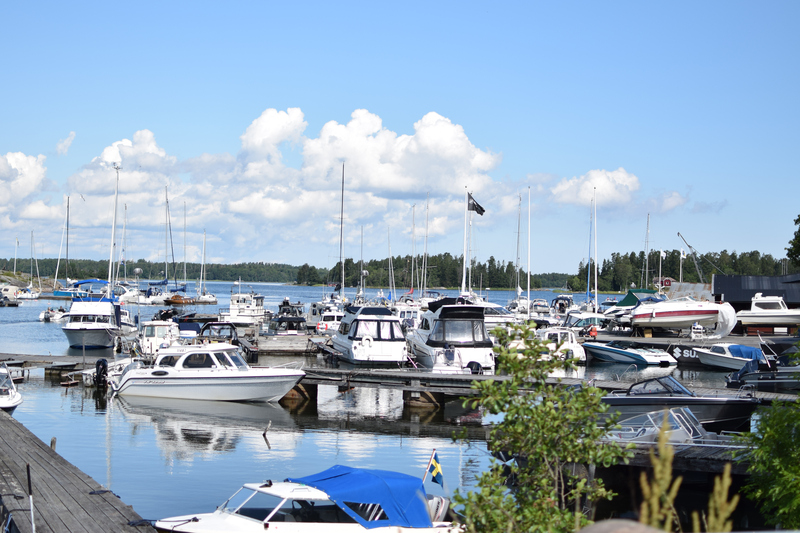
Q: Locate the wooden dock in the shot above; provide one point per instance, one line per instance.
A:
(64, 498)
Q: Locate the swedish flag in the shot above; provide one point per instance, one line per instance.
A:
(436, 470)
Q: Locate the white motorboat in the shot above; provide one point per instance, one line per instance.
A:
(729, 356)
(325, 316)
(156, 335)
(246, 309)
(206, 372)
(628, 352)
(452, 338)
(53, 315)
(10, 398)
(97, 324)
(680, 313)
(585, 323)
(340, 499)
(562, 343)
(768, 310)
(370, 335)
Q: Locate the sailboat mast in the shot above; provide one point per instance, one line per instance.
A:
(595, 250)
(425, 252)
(413, 243)
(589, 263)
(529, 253)
(60, 247)
(519, 221)
(66, 262)
(341, 236)
(113, 231)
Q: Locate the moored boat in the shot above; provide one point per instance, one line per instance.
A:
(715, 413)
(727, 355)
(206, 372)
(628, 352)
(680, 313)
(340, 499)
(370, 335)
(768, 310)
(10, 398)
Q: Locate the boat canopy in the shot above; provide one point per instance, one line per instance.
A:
(634, 296)
(85, 281)
(746, 352)
(402, 497)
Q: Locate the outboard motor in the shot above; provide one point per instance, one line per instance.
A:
(101, 374)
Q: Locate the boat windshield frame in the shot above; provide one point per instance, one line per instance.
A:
(665, 385)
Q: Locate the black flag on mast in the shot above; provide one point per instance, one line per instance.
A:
(472, 205)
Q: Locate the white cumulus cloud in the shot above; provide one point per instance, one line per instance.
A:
(615, 187)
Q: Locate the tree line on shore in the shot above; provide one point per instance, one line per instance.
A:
(618, 273)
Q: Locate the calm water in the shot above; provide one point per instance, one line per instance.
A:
(170, 457)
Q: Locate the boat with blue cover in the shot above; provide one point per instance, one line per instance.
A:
(728, 356)
(339, 499)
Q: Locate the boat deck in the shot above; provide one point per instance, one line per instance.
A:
(64, 498)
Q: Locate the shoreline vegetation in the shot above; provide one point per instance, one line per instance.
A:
(616, 274)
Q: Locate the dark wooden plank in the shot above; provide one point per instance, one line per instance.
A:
(62, 494)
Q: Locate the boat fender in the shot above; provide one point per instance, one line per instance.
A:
(366, 341)
(101, 373)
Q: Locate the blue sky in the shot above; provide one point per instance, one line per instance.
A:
(246, 111)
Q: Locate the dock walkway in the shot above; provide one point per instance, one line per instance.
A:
(64, 498)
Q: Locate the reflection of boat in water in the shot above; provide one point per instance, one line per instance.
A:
(339, 499)
(187, 428)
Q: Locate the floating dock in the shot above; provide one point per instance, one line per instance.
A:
(64, 498)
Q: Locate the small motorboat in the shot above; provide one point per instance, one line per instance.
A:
(628, 352)
(680, 313)
(715, 413)
(339, 499)
(10, 398)
(206, 372)
(728, 356)
(768, 310)
(53, 315)
(561, 343)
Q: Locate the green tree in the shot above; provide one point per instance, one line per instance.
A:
(793, 251)
(774, 463)
(550, 430)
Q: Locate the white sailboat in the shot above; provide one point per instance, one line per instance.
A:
(29, 293)
(203, 296)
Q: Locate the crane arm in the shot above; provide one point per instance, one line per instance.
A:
(694, 258)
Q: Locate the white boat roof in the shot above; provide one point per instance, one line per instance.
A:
(180, 349)
(288, 489)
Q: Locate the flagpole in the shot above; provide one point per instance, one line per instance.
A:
(464, 265)
(427, 468)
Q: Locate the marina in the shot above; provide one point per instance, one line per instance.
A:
(152, 450)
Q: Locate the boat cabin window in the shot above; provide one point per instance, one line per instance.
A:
(717, 349)
(168, 360)
(384, 330)
(425, 324)
(458, 331)
(233, 359)
(199, 360)
(155, 331)
(768, 306)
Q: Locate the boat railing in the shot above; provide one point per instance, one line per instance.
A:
(293, 365)
(620, 376)
(746, 391)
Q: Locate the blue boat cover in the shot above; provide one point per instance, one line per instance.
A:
(401, 496)
(93, 280)
(746, 352)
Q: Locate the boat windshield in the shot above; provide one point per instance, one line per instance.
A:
(265, 507)
(231, 358)
(459, 331)
(385, 330)
(665, 385)
(6, 384)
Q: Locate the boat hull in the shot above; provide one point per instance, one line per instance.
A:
(720, 361)
(716, 414)
(610, 354)
(678, 319)
(89, 338)
(750, 318)
(266, 387)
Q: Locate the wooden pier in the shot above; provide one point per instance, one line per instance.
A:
(64, 498)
